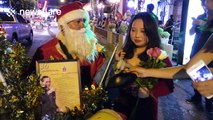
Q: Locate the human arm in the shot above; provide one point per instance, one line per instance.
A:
(163, 86)
(205, 87)
(166, 73)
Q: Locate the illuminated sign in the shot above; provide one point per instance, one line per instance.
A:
(4, 3)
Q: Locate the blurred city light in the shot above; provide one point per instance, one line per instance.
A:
(62, 1)
(131, 3)
(88, 7)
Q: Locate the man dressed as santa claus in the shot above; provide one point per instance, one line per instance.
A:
(74, 41)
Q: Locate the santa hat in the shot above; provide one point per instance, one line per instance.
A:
(71, 12)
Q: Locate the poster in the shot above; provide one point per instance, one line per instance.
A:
(65, 82)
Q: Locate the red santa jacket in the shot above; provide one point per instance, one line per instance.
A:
(49, 51)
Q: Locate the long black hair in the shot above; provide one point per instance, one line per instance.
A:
(151, 30)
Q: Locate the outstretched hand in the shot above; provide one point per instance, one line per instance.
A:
(139, 71)
(204, 87)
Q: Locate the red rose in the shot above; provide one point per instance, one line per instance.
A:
(154, 52)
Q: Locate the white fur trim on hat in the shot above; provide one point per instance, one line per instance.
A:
(72, 15)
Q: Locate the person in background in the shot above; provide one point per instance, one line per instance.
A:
(196, 29)
(169, 26)
(160, 23)
(150, 8)
(75, 41)
(203, 27)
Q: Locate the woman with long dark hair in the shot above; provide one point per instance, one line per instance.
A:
(141, 103)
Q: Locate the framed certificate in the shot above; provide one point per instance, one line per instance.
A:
(64, 80)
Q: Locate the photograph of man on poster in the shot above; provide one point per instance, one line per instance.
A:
(48, 98)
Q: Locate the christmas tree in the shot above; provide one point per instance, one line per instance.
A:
(20, 97)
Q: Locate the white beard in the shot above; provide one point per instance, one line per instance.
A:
(82, 43)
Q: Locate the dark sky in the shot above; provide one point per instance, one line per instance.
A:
(57, 2)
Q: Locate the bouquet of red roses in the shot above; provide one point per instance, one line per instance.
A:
(156, 57)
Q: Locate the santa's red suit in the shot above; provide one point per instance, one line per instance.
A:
(49, 51)
(70, 46)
